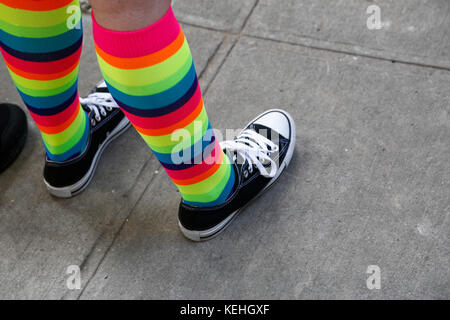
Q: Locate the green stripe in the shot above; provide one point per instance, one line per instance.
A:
(164, 144)
(44, 88)
(78, 132)
(149, 75)
(154, 88)
(212, 195)
(63, 137)
(33, 32)
(47, 93)
(206, 185)
(36, 19)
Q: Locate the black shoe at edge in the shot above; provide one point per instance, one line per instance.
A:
(13, 133)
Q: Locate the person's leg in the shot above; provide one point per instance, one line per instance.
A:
(41, 44)
(147, 64)
(148, 67)
(129, 15)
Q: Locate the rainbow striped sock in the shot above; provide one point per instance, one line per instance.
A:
(41, 44)
(151, 75)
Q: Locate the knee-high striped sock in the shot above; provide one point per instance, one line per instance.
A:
(151, 75)
(41, 44)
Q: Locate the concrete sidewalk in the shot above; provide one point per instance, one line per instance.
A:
(369, 183)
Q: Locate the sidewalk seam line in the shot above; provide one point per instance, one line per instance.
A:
(417, 64)
(235, 39)
(115, 235)
(240, 34)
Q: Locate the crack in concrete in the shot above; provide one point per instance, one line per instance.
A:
(117, 233)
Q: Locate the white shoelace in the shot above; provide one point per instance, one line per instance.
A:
(254, 148)
(98, 103)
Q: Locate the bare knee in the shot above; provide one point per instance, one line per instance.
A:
(128, 15)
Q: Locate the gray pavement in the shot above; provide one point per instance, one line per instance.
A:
(369, 183)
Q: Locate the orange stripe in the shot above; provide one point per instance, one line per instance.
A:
(168, 130)
(43, 77)
(202, 176)
(33, 5)
(61, 127)
(146, 61)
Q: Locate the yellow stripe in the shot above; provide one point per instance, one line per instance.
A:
(149, 75)
(36, 19)
(55, 140)
(206, 185)
(44, 84)
(165, 143)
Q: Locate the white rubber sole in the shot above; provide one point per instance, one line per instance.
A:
(79, 186)
(199, 236)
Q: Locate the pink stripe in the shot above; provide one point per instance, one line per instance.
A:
(132, 44)
(42, 67)
(57, 119)
(168, 119)
(197, 169)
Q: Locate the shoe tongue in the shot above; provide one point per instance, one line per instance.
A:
(263, 130)
(101, 87)
(271, 134)
(241, 165)
(101, 84)
(240, 161)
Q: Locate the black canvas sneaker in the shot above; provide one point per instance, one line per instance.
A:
(66, 179)
(261, 153)
(13, 133)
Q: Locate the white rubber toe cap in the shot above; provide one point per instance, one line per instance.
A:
(277, 120)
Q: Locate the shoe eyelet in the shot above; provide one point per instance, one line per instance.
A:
(93, 123)
(109, 109)
(245, 174)
(103, 112)
(98, 118)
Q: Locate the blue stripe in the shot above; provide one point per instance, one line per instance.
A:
(76, 150)
(47, 106)
(227, 191)
(159, 100)
(43, 57)
(42, 45)
(162, 111)
(196, 151)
